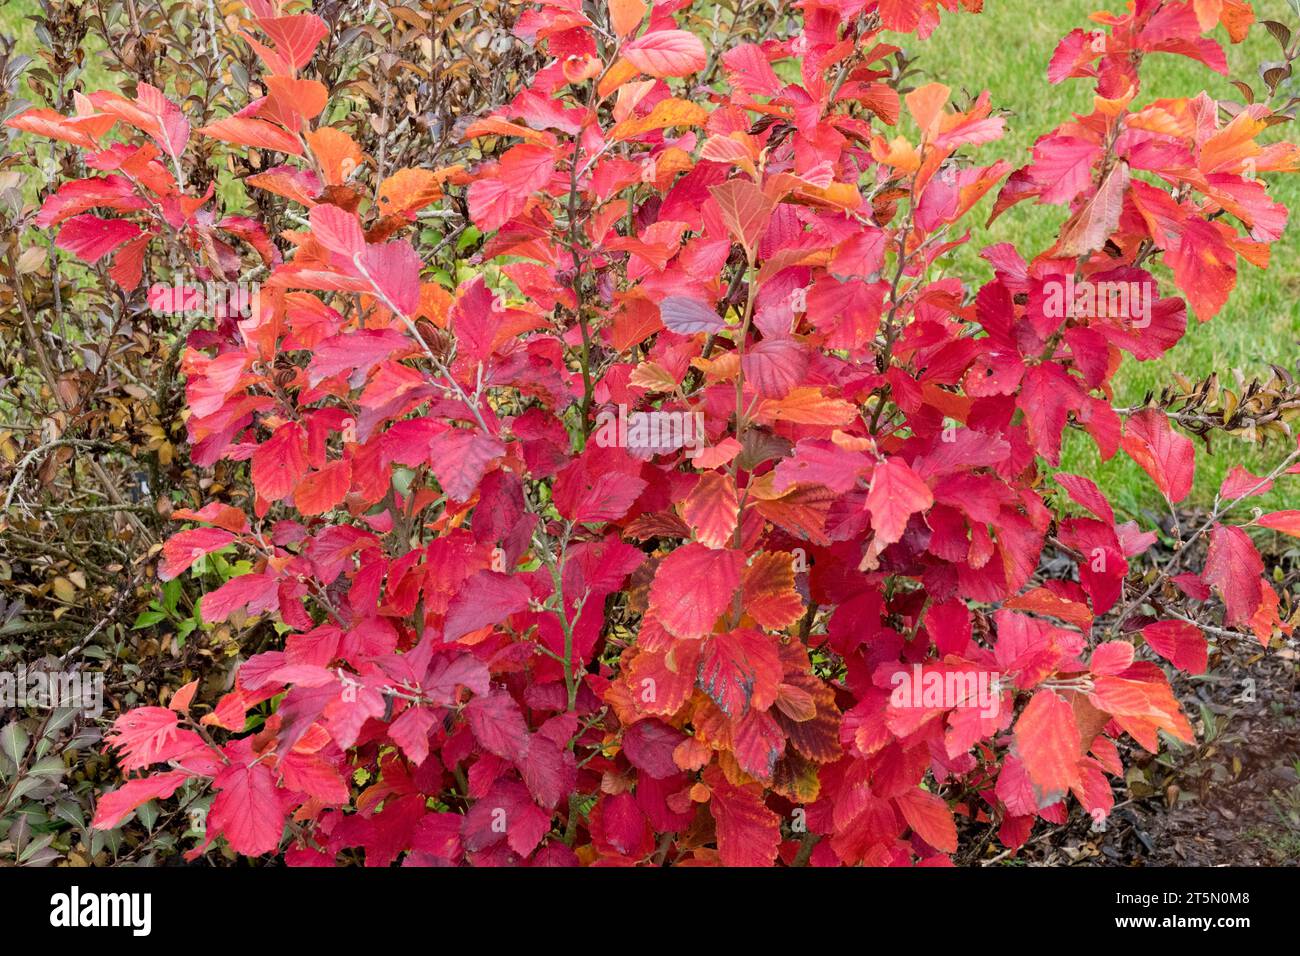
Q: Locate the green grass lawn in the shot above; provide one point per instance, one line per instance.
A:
(1005, 50)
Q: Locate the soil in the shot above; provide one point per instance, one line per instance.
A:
(1231, 800)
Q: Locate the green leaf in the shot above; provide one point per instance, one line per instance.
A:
(70, 812)
(472, 235)
(38, 844)
(171, 595)
(148, 619)
(48, 767)
(148, 814)
(13, 741)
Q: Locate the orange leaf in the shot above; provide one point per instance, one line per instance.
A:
(770, 597)
(745, 211)
(807, 405)
(246, 131)
(305, 97)
(926, 103)
(336, 153)
(408, 190)
(669, 112)
(322, 490)
(626, 15)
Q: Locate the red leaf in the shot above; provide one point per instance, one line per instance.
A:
(758, 743)
(79, 195)
(1063, 166)
(1141, 708)
(487, 597)
(499, 197)
(1239, 483)
(648, 746)
(280, 462)
(748, 832)
(860, 256)
(247, 810)
(745, 211)
(295, 37)
(115, 807)
(322, 490)
(255, 592)
(1233, 567)
(1047, 742)
(506, 812)
(1046, 399)
(1094, 223)
(549, 770)
(1287, 522)
(393, 269)
(1112, 657)
(1205, 267)
(686, 316)
(149, 735)
(774, 366)
(1180, 643)
(896, 494)
(712, 509)
(410, 731)
(1085, 492)
(692, 587)
(90, 238)
(153, 114)
(498, 725)
(259, 134)
(459, 459)
(587, 495)
(186, 547)
(1168, 457)
(337, 230)
(619, 827)
(740, 670)
(358, 351)
(928, 815)
(314, 776)
(83, 131)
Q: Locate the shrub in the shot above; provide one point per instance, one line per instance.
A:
(704, 519)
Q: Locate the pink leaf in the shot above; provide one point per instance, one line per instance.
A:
(115, 807)
(667, 53)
